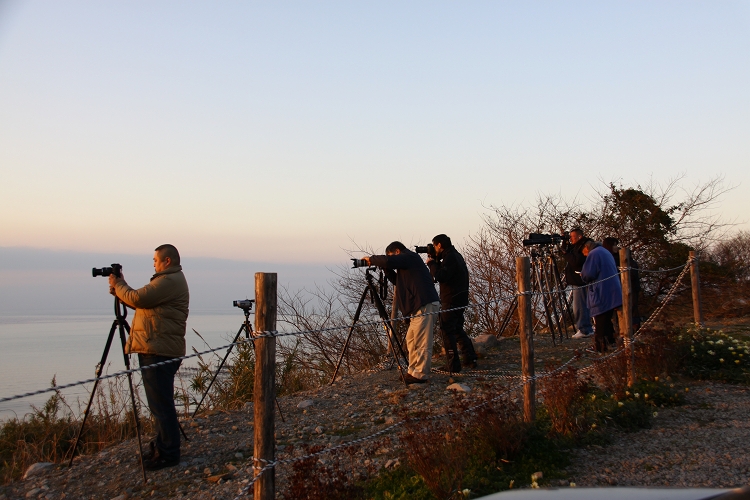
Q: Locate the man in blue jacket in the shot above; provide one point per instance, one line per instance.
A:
(604, 292)
(416, 297)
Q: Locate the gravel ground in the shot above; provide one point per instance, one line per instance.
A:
(701, 444)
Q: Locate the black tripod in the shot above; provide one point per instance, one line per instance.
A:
(120, 324)
(376, 298)
(246, 306)
(547, 283)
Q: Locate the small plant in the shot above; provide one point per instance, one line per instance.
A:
(713, 355)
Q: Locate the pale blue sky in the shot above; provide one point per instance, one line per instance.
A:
(283, 131)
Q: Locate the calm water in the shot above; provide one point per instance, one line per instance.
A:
(34, 349)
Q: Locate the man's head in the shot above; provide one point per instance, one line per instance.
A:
(575, 235)
(395, 248)
(165, 256)
(441, 242)
(610, 244)
(588, 246)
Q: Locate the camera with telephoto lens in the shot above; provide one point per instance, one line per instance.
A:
(116, 269)
(243, 304)
(546, 239)
(429, 249)
(359, 263)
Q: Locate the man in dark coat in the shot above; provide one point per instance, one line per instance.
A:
(416, 298)
(449, 269)
(574, 258)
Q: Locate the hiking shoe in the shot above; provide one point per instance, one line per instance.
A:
(151, 454)
(160, 463)
(410, 379)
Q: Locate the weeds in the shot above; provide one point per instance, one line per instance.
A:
(713, 355)
(48, 433)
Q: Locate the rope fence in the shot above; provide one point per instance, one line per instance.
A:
(262, 466)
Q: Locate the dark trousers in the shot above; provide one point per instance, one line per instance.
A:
(159, 386)
(455, 338)
(604, 333)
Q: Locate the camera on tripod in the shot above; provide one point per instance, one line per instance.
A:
(429, 249)
(546, 239)
(243, 304)
(359, 263)
(116, 269)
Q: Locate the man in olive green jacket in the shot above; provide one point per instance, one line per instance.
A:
(158, 335)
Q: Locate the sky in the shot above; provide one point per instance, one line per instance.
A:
(291, 132)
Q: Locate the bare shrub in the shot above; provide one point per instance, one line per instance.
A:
(562, 394)
(611, 374)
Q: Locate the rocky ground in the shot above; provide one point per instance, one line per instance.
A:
(700, 444)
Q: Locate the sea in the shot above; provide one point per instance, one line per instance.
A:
(34, 350)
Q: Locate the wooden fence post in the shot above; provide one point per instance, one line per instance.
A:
(523, 279)
(626, 317)
(695, 280)
(264, 390)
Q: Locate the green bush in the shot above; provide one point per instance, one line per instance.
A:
(713, 355)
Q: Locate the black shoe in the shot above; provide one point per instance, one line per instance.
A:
(469, 363)
(410, 379)
(160, 463)
(152, 453)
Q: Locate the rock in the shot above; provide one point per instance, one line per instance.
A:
(305, 404)
(319, 430)
(390, 420)
(36, 469)
(458, 387)
(124, 496)
(239, 455)
(33, 492)
(207, 471)
(487, 341)
(391, 463)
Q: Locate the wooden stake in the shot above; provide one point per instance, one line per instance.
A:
(523, 279)
(626, 317)
(264, 390)
(695, 280)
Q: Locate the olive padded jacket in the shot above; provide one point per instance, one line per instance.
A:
(161, 311)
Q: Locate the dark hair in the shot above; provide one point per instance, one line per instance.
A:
(442, 239)
(577, 229)
(170, 251)
(610, 241)
(396, 245)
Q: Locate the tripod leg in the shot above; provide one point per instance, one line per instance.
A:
(349, 336)
(213, 379)
(99, 369)
(387, 327)
(132, 399)
(507, 317)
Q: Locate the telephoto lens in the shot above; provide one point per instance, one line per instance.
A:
(106, 271)
(359, 263)
(243, 304)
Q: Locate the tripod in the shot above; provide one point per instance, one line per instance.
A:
(120, 324)
(376, 298)
(547, 283)
(246, 306)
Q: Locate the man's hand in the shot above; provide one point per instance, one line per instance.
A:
(367, 260)
(114, 279)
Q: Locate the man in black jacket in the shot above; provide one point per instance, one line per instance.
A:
(449, 269)
(416, 298)
(573, 254)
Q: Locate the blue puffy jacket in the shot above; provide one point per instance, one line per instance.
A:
(603, 295)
